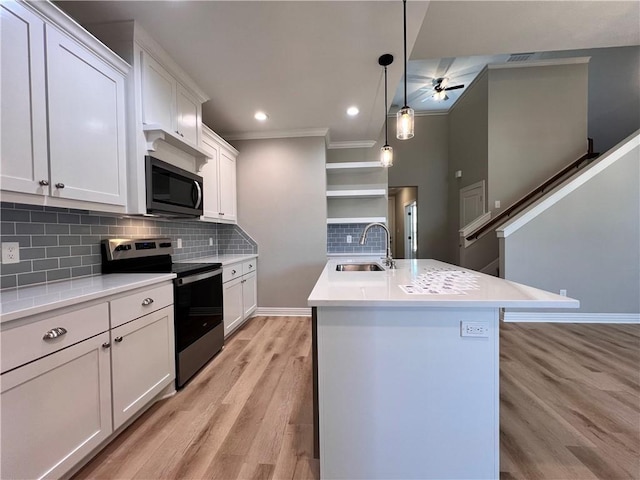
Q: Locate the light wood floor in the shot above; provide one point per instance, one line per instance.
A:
(570, 409)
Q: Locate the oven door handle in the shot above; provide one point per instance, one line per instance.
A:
(197, 277)
(199, 190)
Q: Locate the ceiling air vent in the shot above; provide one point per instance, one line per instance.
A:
(520, 57)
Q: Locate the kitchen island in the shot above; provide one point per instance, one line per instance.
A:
(406, 376)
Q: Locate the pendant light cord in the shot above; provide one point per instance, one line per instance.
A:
(404, 4)
(386, 117)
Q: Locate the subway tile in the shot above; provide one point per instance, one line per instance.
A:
(90, 220)
(31, 278)
(30, 228)
(23, 240)
(96, 249)
(56, 209)
(58, 252)
(22, 206)
(8, 228)
(69, 240)
(68, 218)
(8, 281)
(91, 259)
(7, 205)
(44, 240)
(31, 253)
(97, 229)
(70, 262)
(15, 216)
(44, 217)
(90, 239)
(79, 229)
(58, 274)
(81, 271)
(56, 229)
(48, 264)
(22, 267)
(78, 211)
(107, 221)
(96, 269)
(80, 250)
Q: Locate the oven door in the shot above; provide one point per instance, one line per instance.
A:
(172, 191)
(199, 328)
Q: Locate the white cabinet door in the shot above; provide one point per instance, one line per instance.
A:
(233, 309)
(158, 94)
(23, 139)
(209, 173)
(86, 123)
(227, 185)
(188, 117)
(55, 410)
(143, 362)
(249, 294)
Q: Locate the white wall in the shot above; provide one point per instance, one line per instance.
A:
(282, 205)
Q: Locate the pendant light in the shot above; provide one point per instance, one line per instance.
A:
(404, 125)
(386, 152)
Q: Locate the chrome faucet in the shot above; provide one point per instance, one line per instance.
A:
(389, 262)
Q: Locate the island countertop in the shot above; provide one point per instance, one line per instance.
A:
(385, 288)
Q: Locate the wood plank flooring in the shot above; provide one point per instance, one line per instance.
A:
(570, 409)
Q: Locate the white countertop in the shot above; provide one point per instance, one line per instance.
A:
(22, 302)
(223, 259)
(382, 289)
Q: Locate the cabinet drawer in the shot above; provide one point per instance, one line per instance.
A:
(26, 343)
(137, 304)
(249, 266)
(229, 272)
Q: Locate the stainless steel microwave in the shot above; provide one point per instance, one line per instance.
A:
(172, 191)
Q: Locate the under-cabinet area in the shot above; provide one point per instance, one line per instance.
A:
(96, 364)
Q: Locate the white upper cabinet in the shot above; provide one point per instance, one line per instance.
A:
(189, 116)
(63, 103)
(219, 175)
(158, 94)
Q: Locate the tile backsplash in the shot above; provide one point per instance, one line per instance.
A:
(59, 243)
(337, 239)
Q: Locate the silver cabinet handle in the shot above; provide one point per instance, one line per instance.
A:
(54, 333)
(233, 272)
(199, 190)
(59, 185)
(118, 339)
(250, 266)
(106, 344)
(177, 132)
(220, 213)
(44, 183)
(147, 301)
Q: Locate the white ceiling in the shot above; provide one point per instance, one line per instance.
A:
(305, 62)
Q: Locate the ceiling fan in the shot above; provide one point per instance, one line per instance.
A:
(440, 87)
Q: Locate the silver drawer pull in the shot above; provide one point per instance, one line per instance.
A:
(147, 301)
(44, 183)
(106, 344)
(118, 339)
(54, 333)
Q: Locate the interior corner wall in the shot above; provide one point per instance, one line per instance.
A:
(282, 205)
(537, 125)
(422, 162)
(588, 243)
(468, 150)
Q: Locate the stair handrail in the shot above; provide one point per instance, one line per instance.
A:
(590, 155)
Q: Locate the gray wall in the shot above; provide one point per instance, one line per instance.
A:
(537, 125)
(468, 149)
(282, 205)
(422, 162)
(588, 243)
(614, 93)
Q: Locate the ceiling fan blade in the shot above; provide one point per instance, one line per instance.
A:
(415, 78)
(418, 94)
(455, 87)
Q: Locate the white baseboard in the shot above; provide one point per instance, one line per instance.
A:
(553, 317)
(282, 312)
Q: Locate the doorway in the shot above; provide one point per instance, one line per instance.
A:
(411, 230)
(403, 200)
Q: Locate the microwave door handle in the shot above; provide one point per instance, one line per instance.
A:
(199, 190)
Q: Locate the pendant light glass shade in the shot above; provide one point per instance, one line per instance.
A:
(386, 156)
(404, 125)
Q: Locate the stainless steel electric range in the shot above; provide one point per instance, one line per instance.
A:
(199, 329)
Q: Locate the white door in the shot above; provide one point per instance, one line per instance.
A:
(209, 173)
(86, 124)
(158, 95)
(188, 115)
(471, 203)
(23, 139)
(411, 230)
(143, 362)
(56, 410)
(249, 294)
(227, 186)
(232, 304)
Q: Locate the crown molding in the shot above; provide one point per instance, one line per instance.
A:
(353, 144)
(297, 133)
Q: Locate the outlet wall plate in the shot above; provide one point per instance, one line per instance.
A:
(10, 252)
(474, 329)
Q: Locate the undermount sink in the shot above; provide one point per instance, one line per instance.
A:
(359, 267)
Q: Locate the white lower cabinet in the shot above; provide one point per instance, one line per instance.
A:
(240, 294)
(142, 362)
(56, 410)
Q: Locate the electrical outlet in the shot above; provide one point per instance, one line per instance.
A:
(349, 239)
(210, 242)
(496, 204)
(10, 252)
(179, 243)
(474, 329)
(563, 292)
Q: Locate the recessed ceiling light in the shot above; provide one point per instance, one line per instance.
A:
(352, 111)
(261, 116)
